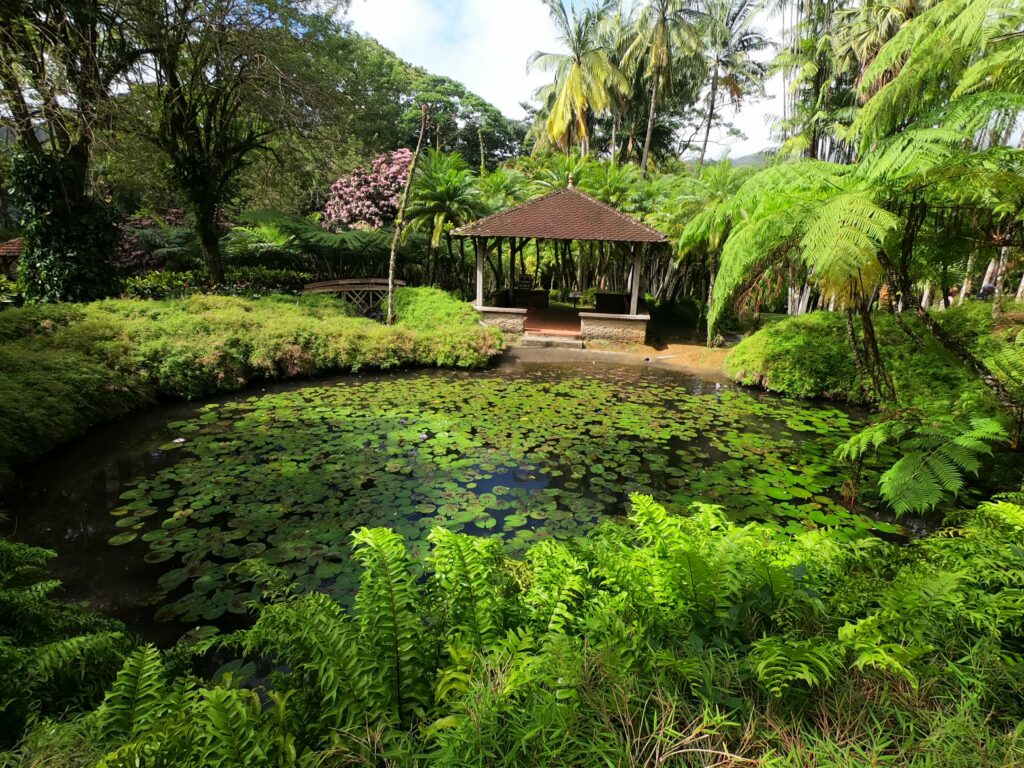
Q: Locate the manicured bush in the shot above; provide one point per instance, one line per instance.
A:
(67, 367)
(238, 281)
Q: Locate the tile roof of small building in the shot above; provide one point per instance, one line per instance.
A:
(566, 214)
(11, 247)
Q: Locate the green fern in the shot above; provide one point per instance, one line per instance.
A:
(464, 569)
(935, 456)
(779, 663)
(388, 603)
(315, 637)
(138, 698)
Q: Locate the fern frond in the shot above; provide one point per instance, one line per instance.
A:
(463, 569)
(138, 697)
(314, 636)
(390, 623)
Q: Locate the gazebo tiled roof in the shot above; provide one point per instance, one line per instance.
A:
(566, 214)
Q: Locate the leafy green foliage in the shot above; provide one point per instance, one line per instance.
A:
(935, 453)
(661, 634)
(54, 657)
(244, 281)
(809, 356)
(68, 240)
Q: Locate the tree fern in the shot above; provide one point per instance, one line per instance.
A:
(935, 456)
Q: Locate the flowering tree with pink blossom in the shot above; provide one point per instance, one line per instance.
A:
(368, 199)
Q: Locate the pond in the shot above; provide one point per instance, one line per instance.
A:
(151, 516)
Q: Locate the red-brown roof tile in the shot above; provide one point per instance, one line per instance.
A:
(11, 247)
(566, 214)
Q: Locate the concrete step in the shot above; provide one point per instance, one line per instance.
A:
(545, 340)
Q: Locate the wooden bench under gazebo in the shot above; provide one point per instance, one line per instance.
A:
(563, 217)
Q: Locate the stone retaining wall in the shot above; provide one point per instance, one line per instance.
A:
(618, 329)
(510, 320)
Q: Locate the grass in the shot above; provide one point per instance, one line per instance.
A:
(69, 367)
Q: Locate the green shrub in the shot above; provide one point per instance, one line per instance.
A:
(10, 294)
(67, 367)
(69, 239)
(238, 281)
(809, 356)
(431, 309)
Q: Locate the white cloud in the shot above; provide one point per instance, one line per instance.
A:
(484, 44)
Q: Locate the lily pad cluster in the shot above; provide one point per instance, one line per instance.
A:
(287, 477)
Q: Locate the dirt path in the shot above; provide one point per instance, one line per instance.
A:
(686, 357)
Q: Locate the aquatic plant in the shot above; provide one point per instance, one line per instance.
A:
(287, 477)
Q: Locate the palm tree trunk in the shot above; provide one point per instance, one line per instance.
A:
(399, 223)
(615, 131)
(711, 115)
(650, 120)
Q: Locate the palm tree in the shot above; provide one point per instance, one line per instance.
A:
(729, 41)
(585, 77)
(443, 196)
(665, 31)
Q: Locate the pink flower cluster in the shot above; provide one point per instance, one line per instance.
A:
(368, 199)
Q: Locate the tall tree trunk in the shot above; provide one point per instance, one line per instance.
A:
(711, 115)
(968, 284)
(1020, 289)
(926, 295)
(990, 272)
(400, 219)
(650, 120)
(209, 241)
(883, 383)
(858, 353)
(1000, 275)
(615, 131)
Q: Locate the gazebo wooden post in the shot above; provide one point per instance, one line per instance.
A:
(479, 271)
(512, 270)
(634, 296)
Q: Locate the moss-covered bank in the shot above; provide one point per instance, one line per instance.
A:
(809, 355)
(67, 367)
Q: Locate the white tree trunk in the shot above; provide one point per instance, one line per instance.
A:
(926, 295)
(805, 299)
(1020, 289)
(1000, 276)
(990, 272)
(968, 284)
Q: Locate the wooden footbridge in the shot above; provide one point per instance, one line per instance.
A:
(365, 293)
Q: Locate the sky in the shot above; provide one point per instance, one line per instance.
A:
(484, 44)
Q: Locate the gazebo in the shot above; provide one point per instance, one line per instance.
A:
(562, 217)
